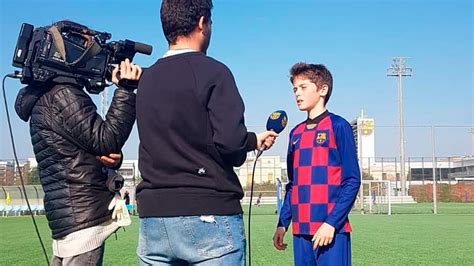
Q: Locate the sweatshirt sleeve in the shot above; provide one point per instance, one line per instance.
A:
(226, 114)
(350, 180)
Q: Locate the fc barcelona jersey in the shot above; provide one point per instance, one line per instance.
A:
(323, 175)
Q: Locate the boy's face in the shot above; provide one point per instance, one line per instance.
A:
(306, 93)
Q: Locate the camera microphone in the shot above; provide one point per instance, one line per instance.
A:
(143, 48)
(276, 122)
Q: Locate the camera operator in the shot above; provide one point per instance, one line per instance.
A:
(74, 148)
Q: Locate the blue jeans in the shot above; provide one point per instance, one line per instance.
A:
(192, 240)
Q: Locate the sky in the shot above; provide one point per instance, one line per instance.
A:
(259, 40)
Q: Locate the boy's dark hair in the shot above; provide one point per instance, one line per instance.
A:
(318, 74)
(180, 17)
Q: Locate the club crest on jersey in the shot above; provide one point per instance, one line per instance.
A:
(321, 137)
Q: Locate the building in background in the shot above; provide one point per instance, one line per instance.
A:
(267, 170)
(9, 175)
(130, 173)
(364, 135)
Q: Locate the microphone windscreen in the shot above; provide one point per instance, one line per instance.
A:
(277, 121)
(143, 48)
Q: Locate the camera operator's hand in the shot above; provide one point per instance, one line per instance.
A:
(110, 161)
(127, 75)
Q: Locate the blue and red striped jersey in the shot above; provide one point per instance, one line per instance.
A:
(323, 176)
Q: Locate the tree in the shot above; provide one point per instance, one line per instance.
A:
(33, 176)
(366, 176)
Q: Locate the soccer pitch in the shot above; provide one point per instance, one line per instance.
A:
(400, 239)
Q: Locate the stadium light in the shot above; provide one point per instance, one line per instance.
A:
(399, 69)
(435, 203)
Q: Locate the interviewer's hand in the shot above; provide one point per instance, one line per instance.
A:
(278, 238)
(323, 236)
(127, 70)
(111, 161)
(267, 138)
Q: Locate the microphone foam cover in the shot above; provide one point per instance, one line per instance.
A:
(277, 121)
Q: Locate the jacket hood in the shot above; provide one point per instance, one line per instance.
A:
(26, 100)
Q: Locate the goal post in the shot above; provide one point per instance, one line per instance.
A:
(375, 198)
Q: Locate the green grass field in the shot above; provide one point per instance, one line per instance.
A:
(400, 239)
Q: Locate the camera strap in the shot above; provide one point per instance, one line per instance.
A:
(58, 41)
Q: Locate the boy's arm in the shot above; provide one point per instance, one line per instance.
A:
(285, 213)
(350, 179)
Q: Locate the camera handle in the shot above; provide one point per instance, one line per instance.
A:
(58, 41)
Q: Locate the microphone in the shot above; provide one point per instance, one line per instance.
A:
(276, 123)
(143, 48)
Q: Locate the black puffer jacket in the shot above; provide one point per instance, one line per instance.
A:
(67, 135)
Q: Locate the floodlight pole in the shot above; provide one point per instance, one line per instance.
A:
(399, 70)
(433, 142)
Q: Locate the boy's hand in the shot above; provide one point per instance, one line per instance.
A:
(110, 161)
(323, 236)
(267, 138)
(278, 238)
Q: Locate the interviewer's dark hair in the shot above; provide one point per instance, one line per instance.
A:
(180, 17)
(318, 74)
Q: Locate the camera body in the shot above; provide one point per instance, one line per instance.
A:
(70, 51)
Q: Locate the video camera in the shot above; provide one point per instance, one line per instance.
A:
(70, 50)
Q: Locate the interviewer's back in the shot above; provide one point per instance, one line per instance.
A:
(192, 134)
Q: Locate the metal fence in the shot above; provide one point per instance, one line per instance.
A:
(443, 154)
(13, 200)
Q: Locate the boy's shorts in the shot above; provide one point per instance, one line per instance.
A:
(337, 253)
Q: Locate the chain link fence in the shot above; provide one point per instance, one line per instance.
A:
(444, 158)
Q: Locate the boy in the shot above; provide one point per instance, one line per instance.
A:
(323, 175)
